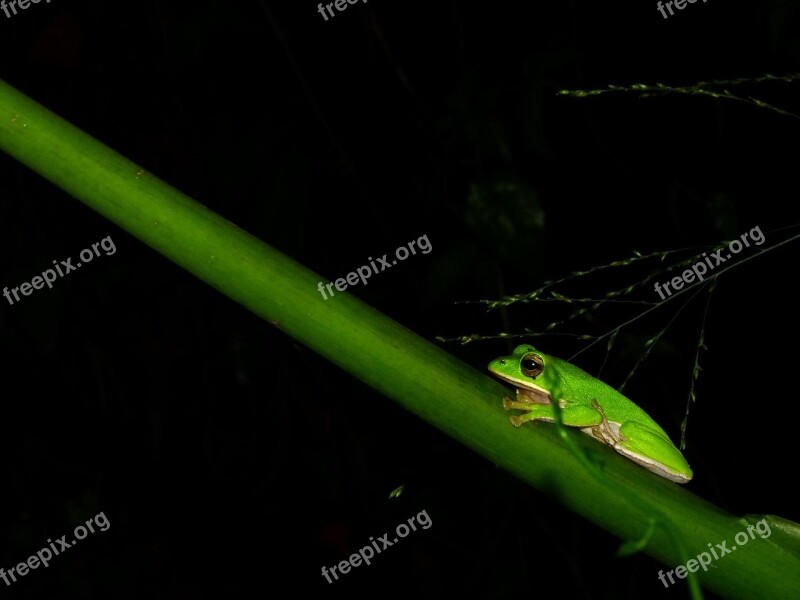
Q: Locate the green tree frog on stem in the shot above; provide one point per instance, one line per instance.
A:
(596, 408)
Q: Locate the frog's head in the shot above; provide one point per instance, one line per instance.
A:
(526, 368)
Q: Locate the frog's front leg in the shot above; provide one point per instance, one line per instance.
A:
(572, 415)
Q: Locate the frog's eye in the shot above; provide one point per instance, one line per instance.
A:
(532, 365)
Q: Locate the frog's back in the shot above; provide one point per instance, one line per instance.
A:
(578, 385)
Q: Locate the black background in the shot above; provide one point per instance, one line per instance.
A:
(229, 458)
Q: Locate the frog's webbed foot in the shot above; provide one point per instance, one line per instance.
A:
(510, 404)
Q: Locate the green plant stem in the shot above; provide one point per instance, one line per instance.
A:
(459, 400)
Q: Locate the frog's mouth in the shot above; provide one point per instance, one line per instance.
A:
(531, 393)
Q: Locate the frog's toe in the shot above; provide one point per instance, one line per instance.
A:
(517, 420)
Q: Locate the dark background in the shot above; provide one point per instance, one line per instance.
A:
(226, 456)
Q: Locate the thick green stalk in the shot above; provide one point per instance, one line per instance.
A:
(463, 402)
